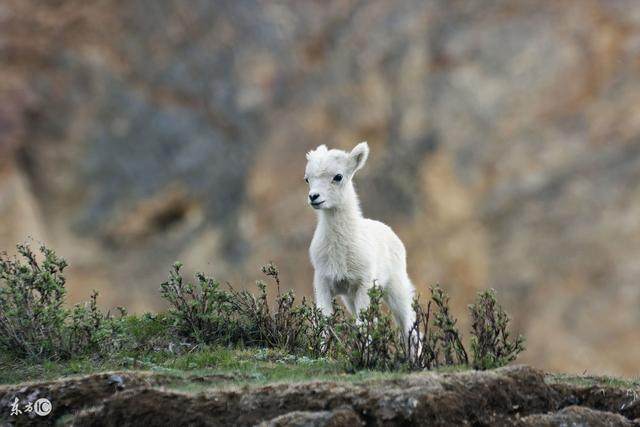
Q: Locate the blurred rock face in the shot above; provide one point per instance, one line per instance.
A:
(505, 147)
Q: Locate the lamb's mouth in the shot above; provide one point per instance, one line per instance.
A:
(316, 204)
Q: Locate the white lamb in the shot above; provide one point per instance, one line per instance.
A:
(349, 252)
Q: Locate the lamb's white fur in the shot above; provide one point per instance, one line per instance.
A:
(349, 252)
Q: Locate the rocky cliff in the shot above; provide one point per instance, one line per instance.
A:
(514, 396)
(505, 147)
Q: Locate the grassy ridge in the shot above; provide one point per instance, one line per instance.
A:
(235, 331)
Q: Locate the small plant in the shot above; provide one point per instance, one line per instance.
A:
(283, 329)
(33, 320)
(434, 340)
(491, 344)
(419, 348)
(372, 340)
(200, 311)
(141, 335)
(323, 332)
(207, 314)
(31, 313)
(89, 329)
(447, 332)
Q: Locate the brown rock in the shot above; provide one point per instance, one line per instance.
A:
(577, 416)
(334, 418)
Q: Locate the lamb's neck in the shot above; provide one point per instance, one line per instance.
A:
(342, 222)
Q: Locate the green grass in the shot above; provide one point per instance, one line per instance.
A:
(206, 368)
(15, 371)
(198, 369)
(593, 380)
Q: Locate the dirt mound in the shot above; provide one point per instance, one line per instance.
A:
(514, 396)
(71, 394)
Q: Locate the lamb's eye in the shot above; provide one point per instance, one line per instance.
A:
(306, 180)
(337, 178)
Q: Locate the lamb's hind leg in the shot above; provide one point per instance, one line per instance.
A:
(399, 297)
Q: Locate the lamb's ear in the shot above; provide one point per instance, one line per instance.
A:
(320, 149)
(359, 155)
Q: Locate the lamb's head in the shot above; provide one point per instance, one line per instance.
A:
(329, 174)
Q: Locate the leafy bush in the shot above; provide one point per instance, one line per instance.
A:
(200, 311)
(324, 332)
(434, 340)
(284, 329)
(138, 336)
(206, 314)
(491, 344)
(33, 320)
(446, 333)
(371, 342)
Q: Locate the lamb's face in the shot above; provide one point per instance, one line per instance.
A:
(329, 174)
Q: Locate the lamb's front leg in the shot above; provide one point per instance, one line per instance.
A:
(324, 301)
(361, 300)
(348, 302)
(323, 294)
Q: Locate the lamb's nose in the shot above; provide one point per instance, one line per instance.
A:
(313, 196)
